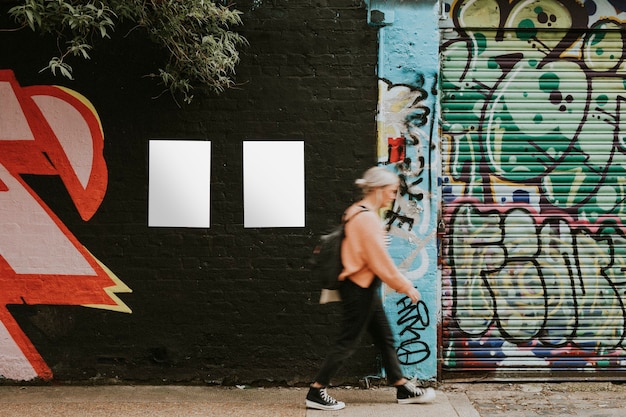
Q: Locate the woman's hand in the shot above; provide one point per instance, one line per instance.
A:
(414, 295)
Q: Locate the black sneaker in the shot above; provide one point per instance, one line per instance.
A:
(410, 394)
(319, 399)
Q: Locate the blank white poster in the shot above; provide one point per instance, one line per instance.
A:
(179, 184)
(273, 183)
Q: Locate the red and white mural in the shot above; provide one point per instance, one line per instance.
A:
(47, 130)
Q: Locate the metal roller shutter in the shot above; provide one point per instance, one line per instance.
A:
(534, 191)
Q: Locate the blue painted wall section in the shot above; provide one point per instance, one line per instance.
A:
(408, 143)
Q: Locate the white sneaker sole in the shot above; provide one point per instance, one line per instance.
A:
(427, 397)
(317, 406)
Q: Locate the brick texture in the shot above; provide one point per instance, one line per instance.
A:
(225, 304)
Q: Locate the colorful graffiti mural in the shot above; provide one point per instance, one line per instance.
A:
(408, 145)
(534, 185)
(47, 130)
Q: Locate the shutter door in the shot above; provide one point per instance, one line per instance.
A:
(534, 195)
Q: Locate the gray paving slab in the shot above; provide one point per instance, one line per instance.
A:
(461, 404)
(569, 399)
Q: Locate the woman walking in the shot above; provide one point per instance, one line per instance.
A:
(366, 264)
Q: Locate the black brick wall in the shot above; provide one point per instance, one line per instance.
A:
(225, 304)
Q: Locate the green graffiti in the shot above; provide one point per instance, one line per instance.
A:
(523, 32)
(549, 82)
(596, 38)
(535, 176)
(481, 42)
(520, 276)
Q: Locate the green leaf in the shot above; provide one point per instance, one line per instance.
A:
(203, 49)
(30, 18)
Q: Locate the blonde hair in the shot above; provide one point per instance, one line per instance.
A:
(376, 177)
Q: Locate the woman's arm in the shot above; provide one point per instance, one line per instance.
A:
(368, 228)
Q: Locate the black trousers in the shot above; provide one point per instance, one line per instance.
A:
(362, 311)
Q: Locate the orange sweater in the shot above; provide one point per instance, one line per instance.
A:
(364, 254)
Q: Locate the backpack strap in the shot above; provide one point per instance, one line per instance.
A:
(344, 220)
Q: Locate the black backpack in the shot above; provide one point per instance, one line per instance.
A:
(326, 262)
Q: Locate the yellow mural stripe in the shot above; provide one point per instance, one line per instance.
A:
(112, 291)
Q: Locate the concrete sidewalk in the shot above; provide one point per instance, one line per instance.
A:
(186, 401)
(453, 400)
(566, 399)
